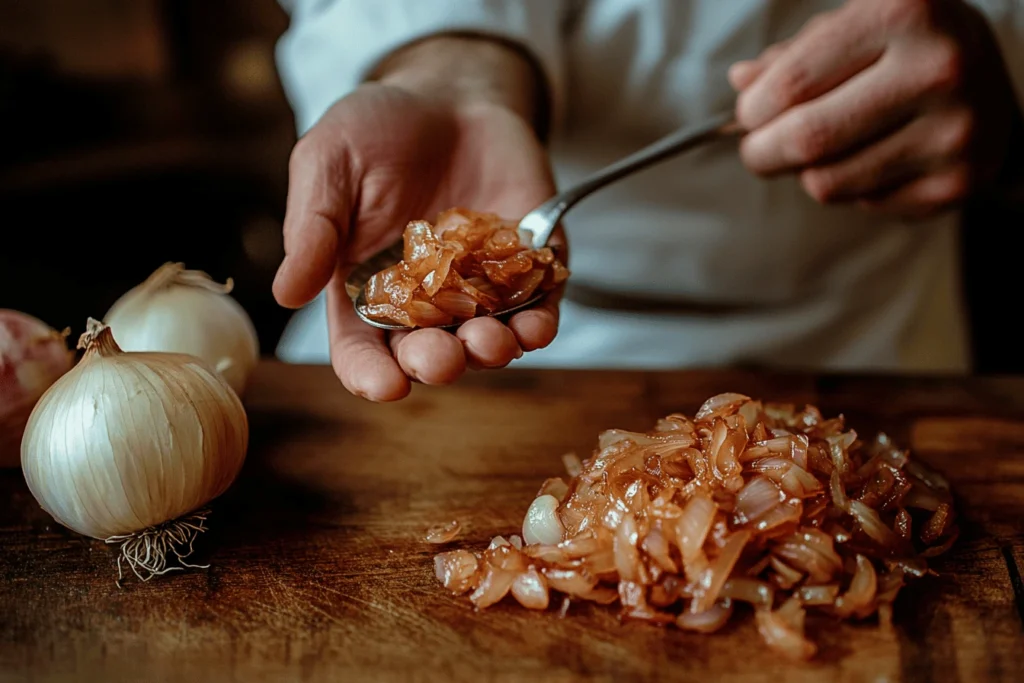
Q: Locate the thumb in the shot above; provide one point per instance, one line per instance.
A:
(316, 222)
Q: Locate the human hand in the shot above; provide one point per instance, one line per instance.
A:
(381, 157)
(902, 106)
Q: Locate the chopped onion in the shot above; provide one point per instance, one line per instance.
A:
(494, 586)
(627, 559)
(717, 574)
(443, 533)
(456, 570)
(574, 582)
(657, 547)
(783, 575)
(746, 502)
(781, 516)
(859, 599)
(694, 526)
(818, 595)
(554, 487)
(531, 589)
(541, 524)
(757, 593)
(719, 406)
(457, 304)
(708, 621)
(755, 499)
(573, 466)
(782, 637)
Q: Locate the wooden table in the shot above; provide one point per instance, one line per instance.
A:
(319, 572)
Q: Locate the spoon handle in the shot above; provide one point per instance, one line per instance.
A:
(542, 220)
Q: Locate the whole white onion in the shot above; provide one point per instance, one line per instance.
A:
(33, 356)
(185, 311)
(129, 447)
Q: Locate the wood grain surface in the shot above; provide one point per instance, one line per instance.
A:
(319, 572)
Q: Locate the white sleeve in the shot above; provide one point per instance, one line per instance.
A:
(1006, 19)
(332, 45)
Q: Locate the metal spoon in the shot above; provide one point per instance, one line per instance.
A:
(543, 220)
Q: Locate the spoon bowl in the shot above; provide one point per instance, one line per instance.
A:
(542, 221)
(355, 286)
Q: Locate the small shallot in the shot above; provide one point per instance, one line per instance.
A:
(746, 506)
(32, 357)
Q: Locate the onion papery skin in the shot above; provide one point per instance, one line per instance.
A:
(127, 441)
(184, 311)
(32, 357)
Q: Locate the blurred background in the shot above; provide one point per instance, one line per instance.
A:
(134, 132)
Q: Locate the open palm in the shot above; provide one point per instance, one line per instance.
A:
(379, 158)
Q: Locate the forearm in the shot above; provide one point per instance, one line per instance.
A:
(469, 70)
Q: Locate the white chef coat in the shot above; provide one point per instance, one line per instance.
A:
(744, 270)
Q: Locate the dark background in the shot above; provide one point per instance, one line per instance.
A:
(134, 132)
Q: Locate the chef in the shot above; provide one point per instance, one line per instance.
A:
(825, 238)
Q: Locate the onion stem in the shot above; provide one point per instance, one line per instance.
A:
(176, 274)
(98, 338)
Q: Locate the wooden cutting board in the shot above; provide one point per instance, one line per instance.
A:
(318, 571)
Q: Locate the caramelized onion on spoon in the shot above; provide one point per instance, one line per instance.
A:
(761, 505)
(466, 265)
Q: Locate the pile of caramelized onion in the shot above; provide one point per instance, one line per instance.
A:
(753, 503)
(466, 265)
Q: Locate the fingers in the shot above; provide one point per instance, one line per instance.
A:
(316, 219)
(359, 355)
(865, 107)
(925, 144)
(430, 355)
(362, 360)
(743, 73)
(488, 343)
(433, 356)
(830, 49)
(881, 167)
(536, 328)
(925, 196)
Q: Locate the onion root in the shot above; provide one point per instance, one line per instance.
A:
(147, 552)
